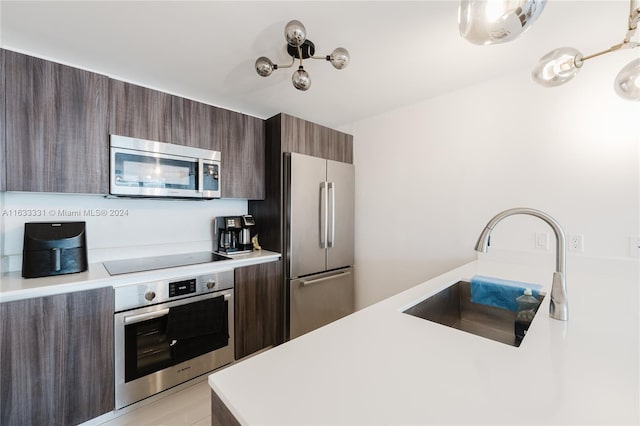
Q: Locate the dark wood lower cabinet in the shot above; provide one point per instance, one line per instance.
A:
(220, 414)
(56, 358)
(259, 307)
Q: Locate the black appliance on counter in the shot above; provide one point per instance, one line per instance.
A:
(233, 234)
(53, 248)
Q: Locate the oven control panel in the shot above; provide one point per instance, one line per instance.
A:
(150, 293)
(180, 288)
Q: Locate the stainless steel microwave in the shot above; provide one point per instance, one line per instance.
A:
(142, 168)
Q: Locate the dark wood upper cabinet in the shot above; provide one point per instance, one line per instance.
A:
(139, 112)
(239, 138)
(3, 161)
(56, 127)
(243, 150)
(57, 358)
(54, 134)
(259, 307)
(196, 124)
(305, 137)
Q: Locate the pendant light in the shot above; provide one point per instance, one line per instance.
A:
(627, 82)
(299, 47)
(561, 65)
(496, 21)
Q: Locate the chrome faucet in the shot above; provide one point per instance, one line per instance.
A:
(559, 306)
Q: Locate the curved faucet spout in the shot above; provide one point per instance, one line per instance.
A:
(559, 306)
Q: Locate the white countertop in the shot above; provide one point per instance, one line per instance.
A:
(380, 366)
(14, 287)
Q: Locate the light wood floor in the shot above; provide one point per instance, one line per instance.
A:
(190, 406)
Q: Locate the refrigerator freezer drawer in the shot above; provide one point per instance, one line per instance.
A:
(319, 299)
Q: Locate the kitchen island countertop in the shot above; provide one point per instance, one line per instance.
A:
(14, 287)
(381, 366)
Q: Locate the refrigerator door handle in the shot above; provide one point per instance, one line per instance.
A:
(324, 198)
(332, 215)
(331, 277)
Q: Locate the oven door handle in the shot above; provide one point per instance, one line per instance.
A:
(143, 317)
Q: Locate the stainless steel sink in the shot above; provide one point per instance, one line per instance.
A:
(453, 307)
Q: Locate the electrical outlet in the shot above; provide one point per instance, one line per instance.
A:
(542, 240)
(575, 243)
(634, 246)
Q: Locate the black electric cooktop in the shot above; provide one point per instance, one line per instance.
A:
(127, 266)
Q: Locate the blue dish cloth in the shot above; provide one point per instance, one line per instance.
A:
(499, 293)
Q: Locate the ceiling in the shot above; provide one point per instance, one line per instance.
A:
(401, 52)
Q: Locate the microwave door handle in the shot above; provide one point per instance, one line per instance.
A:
(200, 175)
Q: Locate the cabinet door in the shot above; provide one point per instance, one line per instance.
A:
(313, 139)
(259, 307)
(57, 358)
(243, 150)
(139, 112)
(56, 127)
(336, 145)
(196, 124)
(239, 138)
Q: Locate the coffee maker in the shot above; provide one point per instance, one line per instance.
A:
(245, 234)
(234, 234)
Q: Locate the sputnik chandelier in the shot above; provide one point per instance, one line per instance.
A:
(492, 21)
(299, 47)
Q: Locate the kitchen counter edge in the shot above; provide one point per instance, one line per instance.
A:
(14, 287)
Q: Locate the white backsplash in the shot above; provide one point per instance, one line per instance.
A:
(116, 228)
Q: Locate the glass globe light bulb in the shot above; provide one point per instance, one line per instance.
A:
(557, 67)
(301, 79)
(295, 33)
(492, 22)
(627, 83)
(339, 58)
(264, 66)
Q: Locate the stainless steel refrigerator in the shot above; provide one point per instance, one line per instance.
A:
(319, 220)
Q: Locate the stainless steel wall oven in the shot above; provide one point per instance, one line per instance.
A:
(170, 331)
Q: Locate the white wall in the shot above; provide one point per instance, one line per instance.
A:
(429, 176)
(144, 227)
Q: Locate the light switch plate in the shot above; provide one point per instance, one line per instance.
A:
(542, 240)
